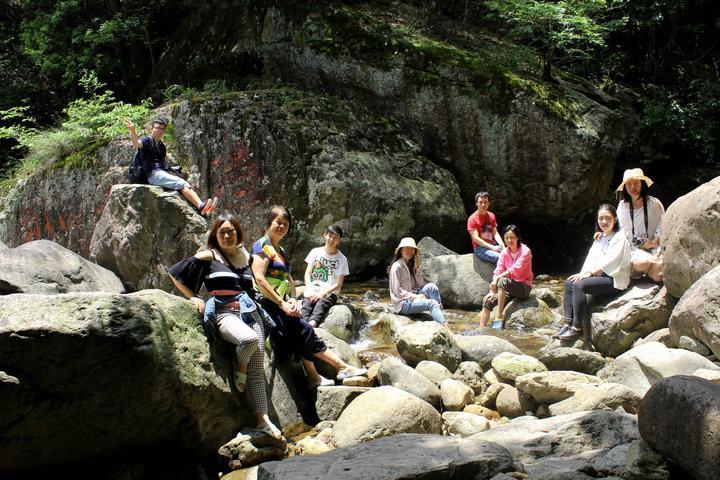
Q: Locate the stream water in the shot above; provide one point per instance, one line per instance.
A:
(373, 298)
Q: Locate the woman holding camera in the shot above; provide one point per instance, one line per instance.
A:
(606, 271)
(640, 215)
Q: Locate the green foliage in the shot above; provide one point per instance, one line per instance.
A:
(89, 123)
(560, 30)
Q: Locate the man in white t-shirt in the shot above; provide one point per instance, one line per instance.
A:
(324, 276)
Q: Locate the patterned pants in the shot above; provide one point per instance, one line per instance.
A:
(250, 349)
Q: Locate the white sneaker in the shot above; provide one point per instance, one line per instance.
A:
(321, 381)
(350, 371)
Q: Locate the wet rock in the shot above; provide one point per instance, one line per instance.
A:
(529, 313)
(636, 313)
(250, 448)
(384, 328)
(483, 348)
(463, 280)
(471, 375)
(339, 322)
(42, 266)
(642, 366)
(464, 424)
(428, 341)
(433, 371)
(663, 336)
(696, 313)
(513, 403)
(605, 396)
(689, 237)
(680, 418)
(567, 358)
(452, 458)
(509, 366)
(395, 373)
(551, 387)
(455, 395)
(382, 412)
(331, 401)
(135, 230)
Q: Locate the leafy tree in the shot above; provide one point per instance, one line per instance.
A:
(561, 29)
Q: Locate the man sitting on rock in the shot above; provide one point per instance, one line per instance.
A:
(151, 152)
(482, 227)
(324, 276)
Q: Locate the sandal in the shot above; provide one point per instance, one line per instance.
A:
(208, 206)
(240, 380)
(270, 430)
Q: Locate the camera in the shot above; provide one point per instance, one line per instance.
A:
(639, 241)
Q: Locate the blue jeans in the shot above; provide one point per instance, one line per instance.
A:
(431, 303)
(486, 254)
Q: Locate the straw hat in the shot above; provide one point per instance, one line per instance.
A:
(407, 242)
(634, 174)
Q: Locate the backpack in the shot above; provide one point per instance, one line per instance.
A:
(135, 173)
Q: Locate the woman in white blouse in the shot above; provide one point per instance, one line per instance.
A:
(606, 271)
(640, 216)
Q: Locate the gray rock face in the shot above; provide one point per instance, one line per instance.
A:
(568, 358)
(509, 366)
(433, 371)
(463, 280)
(548, 296)
(429, 248)
(339, 322)
(135, 365)
(606, 396)
(331, 401)
(528, 313)
(483, 348)
(680, 418)
(697, 314)
(650, 362)
(551, 387)
(452, 458)
(564, 435)
(428, 341)
(464, 424)
(639, 311)
(142, 231)
(395, 373)
(382, 412)
(42, 266)
(689, 237)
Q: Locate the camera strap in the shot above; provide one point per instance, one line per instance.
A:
(632, 216)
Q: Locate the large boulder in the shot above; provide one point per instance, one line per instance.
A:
(382, 412)
(483, 348)
(428, 341)
(396, 374)
(142, 231)
(429, 247)
(130, 372)
(568, 358)
(509, 366)
(551, 387)
(530, 313)
(564, 435)
(697, 314)
(690, 230)
(42, 266)
(397, 458)
(331, 401)
(463, 280)
(680, 418)
(639, 311)
(340, 322)
(646, 364)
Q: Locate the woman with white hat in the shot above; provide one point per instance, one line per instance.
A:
(640, 216)
(408, 290)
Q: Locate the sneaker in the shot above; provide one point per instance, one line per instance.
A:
(270, 430)
(562, 331)
(320, 381)
(350, 371)
(571, 334)
(497, 325)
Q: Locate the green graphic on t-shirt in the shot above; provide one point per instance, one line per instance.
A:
(319, 273)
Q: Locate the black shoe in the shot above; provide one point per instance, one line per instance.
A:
(571, 334)
(562, 331)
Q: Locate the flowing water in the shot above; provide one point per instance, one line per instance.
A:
(374, 340)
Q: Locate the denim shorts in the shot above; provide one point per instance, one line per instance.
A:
(164, 179)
